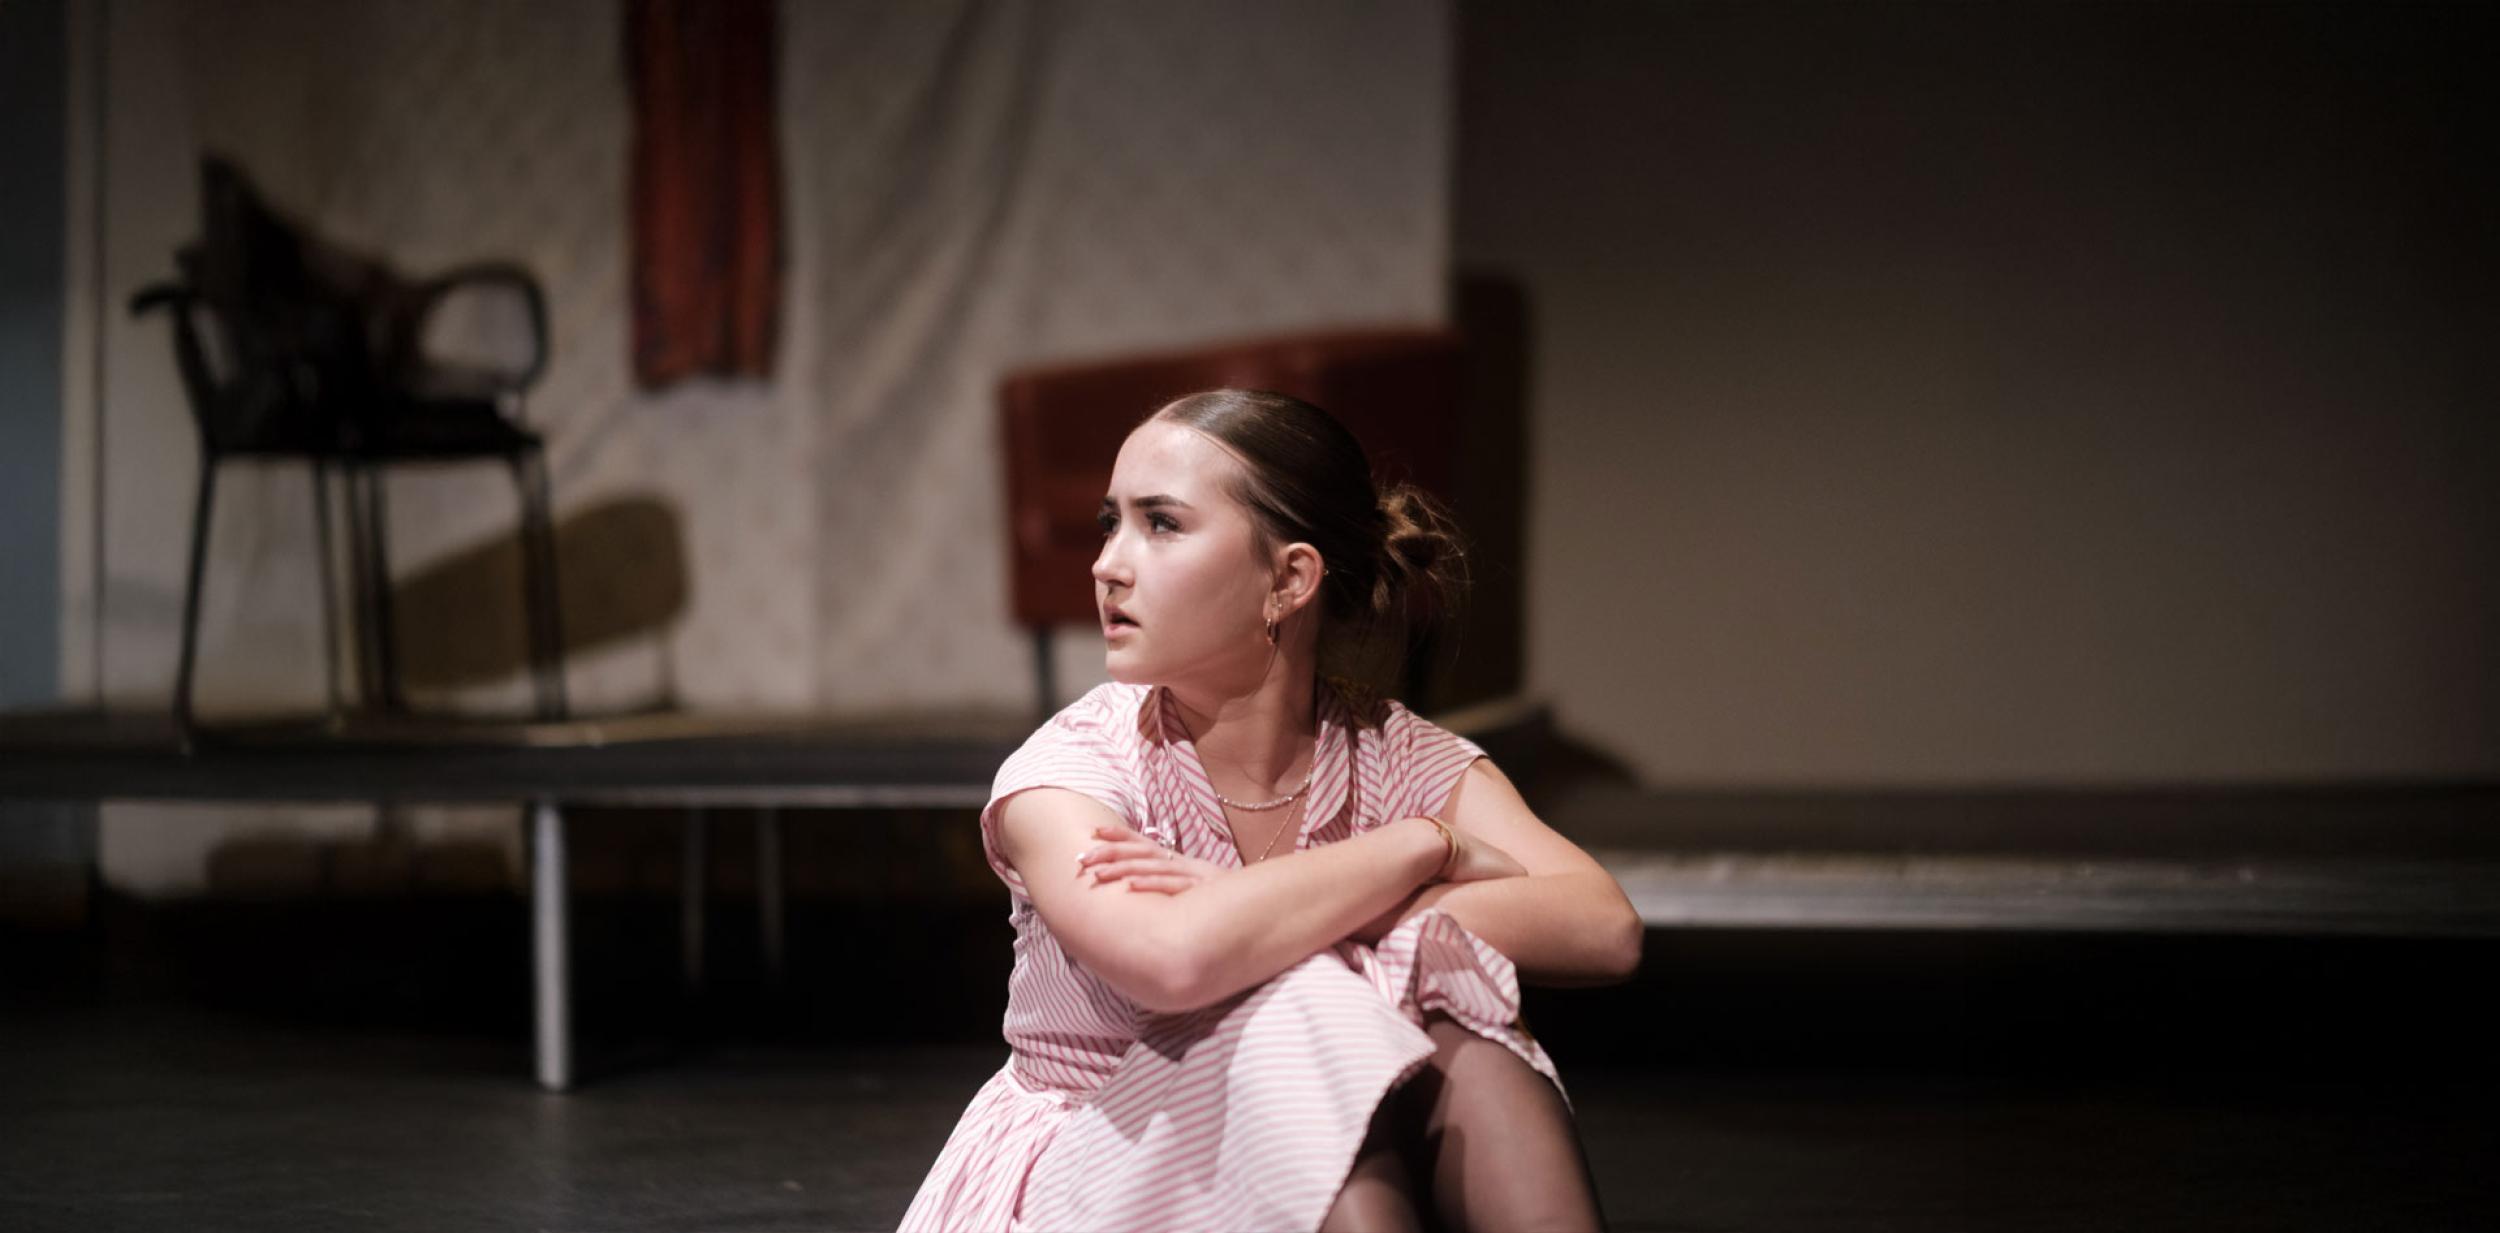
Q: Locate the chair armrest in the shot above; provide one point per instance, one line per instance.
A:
(431, 293)
(170, 295)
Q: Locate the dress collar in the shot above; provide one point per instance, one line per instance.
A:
(1182, 778)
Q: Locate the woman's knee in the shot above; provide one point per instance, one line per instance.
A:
(1502, 1150)
(1460, 1056)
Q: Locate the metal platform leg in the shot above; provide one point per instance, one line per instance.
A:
(768, 889)
(550, 947)
(690, 888)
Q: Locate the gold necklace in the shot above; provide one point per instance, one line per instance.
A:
(1279, 802)
(1309, 773)
(1291, 823)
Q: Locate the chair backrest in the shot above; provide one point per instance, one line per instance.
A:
(299, 319)
(1397, 389)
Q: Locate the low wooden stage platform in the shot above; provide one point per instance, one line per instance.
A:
(2397, 859)
(665, 761)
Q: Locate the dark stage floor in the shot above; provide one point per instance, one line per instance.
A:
(1996, 1084)
(183, 1120)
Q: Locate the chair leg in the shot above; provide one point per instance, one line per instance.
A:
(378, 588)
(329, 592)
(1045, 676)
(200, 514)
(359, 597)
(538, 564)
(770, 935)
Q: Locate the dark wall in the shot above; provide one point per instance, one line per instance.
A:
(44, 849)
(2002, 392)
(32, 56)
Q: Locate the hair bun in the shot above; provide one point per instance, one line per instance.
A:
(1420, 551)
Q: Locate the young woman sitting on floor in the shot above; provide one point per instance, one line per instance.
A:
(1268, 930)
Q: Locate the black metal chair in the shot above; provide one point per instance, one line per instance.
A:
(289, 348)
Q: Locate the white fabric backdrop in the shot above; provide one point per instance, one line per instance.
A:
(969, 186)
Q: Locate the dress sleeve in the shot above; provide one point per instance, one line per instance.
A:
(1072, 751)
(1431, 759)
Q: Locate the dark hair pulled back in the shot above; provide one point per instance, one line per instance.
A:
(1396, 564)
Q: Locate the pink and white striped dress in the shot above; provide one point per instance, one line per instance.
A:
(1241, 1115)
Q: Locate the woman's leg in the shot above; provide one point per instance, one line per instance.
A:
(1379, 1194)
(1498, 1140)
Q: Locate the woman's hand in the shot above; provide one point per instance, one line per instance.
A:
(1126, 856)
(1474, 861)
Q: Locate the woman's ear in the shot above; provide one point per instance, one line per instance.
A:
(1298, 573)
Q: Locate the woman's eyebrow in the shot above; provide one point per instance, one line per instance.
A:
(1155, 501)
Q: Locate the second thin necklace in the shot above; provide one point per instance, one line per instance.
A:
(1292, 823)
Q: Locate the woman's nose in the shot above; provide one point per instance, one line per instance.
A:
(1111, 564)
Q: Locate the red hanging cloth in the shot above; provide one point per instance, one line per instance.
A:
(706, 200)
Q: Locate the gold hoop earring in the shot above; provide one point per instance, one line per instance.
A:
(1271, 633)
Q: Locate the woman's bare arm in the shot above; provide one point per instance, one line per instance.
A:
(1566, 923)
(1179, 952)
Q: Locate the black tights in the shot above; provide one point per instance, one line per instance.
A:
(1487, 1133)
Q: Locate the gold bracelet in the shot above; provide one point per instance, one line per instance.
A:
(1449, 837)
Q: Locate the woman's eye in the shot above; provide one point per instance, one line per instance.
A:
(1110, 523)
